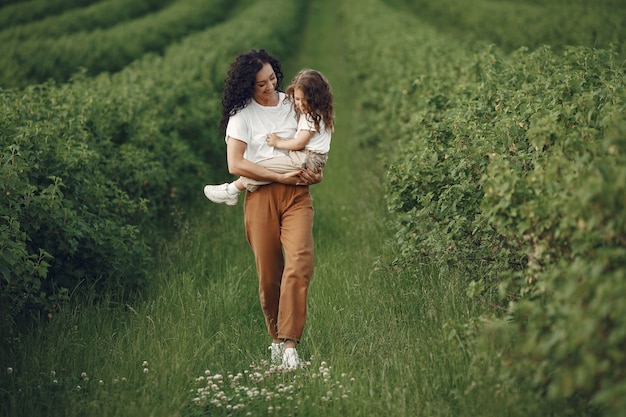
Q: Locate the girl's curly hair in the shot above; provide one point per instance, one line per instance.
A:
(318, 95)
(239, 84)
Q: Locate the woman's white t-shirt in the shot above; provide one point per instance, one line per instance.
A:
(254, 122)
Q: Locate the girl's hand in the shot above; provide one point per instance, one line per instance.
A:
(273, 139)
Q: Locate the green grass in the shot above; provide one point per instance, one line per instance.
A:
(393, 339)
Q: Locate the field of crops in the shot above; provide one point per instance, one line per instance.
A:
(500, 128)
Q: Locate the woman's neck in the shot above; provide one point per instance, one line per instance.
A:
(268, 101)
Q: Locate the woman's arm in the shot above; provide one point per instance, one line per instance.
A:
(238, 165)
(298, 143)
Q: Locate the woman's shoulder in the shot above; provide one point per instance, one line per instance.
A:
(242, 112)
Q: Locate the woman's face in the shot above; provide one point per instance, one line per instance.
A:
(300, 100)
(265, 85)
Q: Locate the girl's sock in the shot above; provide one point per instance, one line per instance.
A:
(232, 189)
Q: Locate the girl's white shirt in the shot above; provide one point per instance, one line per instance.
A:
(320, 141)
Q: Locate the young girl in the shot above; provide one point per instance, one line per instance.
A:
(312, 98)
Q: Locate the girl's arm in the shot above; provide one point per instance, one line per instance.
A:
(298, 143)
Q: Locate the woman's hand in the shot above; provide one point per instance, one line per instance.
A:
(309, 177)
(302, 177)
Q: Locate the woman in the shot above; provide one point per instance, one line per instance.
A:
(312, 98)
(278, 217)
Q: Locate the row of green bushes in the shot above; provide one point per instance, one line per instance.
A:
(17, 12)
(530, 23)
(89, 167)
(511, 166)
(35, 61)
(96, 16)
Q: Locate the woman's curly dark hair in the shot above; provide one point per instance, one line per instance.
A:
(239, 84)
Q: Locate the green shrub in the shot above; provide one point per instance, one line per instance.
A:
(512, 167)
(528, 23)
(16, 12)
(100, 15)
(95, 165)
(105, 50)
(563, 199)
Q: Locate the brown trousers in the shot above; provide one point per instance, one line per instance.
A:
(279, 229)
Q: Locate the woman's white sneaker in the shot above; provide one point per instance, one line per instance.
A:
(276, 353)
(290, 358)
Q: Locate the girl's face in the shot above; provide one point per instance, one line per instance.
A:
(265, 84)
(300, 100)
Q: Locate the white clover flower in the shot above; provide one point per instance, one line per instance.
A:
(53, 374)
(124, 379)
(144, 364)
(78, 388)
(83, 375)
(207, 372)
(101, 382)
(54, 381)
(145, 370)
(197, 401)
(9, 370)
(115, 381)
